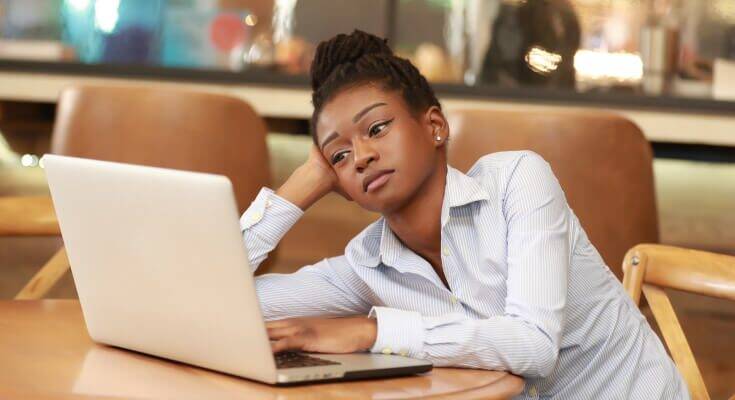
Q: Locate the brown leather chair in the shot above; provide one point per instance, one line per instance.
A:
(603, 162)
(161, 127)
(166, 127)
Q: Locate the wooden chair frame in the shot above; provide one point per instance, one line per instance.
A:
(648, 268)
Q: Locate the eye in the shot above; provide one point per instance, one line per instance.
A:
(375, 129)
(339, 156)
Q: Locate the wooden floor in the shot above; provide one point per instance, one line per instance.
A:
(695, 210)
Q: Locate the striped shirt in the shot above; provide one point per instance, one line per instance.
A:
(528, 293)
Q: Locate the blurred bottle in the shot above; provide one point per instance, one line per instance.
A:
(659, 47)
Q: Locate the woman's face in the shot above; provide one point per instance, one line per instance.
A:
(381, 152)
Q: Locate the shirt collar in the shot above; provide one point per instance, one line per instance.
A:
(390, 246)
(460, 190)
(379, 245)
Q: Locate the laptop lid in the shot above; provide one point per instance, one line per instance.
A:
(159, 263)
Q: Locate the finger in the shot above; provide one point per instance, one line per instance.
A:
(288, 343)
(279, 333)
(316, 154)
(281, 323)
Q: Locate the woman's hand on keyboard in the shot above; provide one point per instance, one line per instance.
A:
(323, 335)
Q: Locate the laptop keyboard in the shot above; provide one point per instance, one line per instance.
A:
(290, 359)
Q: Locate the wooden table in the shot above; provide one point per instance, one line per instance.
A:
(45, 353)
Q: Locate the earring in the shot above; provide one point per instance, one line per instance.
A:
(438, 138)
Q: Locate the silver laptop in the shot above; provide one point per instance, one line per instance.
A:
(160, 267)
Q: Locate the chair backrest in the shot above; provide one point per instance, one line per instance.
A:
(649, 268)
(603, 162)
(166, 127)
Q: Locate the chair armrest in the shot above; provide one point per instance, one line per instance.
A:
(678, 268)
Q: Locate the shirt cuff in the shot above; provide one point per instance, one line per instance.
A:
(270, 216)
(399, 332)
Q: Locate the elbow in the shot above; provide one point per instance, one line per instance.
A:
(546, 363)
(539, 360)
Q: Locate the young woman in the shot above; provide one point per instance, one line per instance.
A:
(489, 269)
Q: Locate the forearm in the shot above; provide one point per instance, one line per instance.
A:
(497, 343)
(500, 343)
(304, 187)
(323, 289)
(272, 214)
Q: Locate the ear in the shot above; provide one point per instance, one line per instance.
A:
(437, 126)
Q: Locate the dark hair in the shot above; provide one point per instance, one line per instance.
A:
(349, 60)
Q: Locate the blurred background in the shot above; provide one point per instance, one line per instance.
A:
(645, 47)
(668, 65)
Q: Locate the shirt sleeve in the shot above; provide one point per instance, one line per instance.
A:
(526, 338)
(264, 224)
(329, 287)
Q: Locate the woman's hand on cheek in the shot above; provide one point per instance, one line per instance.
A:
(310, 181)
(318, 162)
(320, 166)
(323, 335)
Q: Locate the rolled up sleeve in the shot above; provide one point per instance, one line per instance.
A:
(265, 222)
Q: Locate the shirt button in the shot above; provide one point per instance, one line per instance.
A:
(404, 353)
(268, 204)
(533, 392)
(445, 250)
(387, 350)
(453, 300)
(256, 217)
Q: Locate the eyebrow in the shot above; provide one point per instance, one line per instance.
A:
(329, 138)
(365, 111)
(356, 118)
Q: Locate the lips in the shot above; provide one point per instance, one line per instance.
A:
(376, 179)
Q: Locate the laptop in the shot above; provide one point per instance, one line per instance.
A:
(160, 267)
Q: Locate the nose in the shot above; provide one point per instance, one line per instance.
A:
(364, 154)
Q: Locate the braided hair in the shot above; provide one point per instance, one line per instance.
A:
(346, 61)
